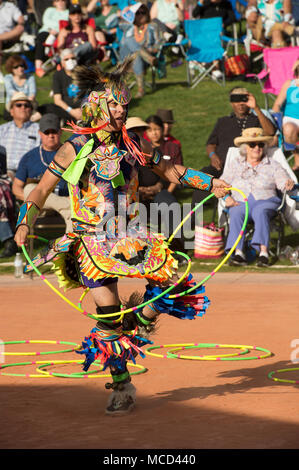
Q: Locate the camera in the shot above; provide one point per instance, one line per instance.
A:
(235, 98)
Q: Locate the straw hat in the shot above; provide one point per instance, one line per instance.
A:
(252, 134)
(133, 122)
(18, 96)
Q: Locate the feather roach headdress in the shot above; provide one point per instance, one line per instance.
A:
(95, 88)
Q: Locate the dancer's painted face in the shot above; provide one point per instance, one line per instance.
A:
(118, 114)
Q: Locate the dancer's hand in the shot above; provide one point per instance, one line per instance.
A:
(219, 187)
(21, 235)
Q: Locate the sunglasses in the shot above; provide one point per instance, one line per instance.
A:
(261, 145)
(23, 105)
(19, 65)
(51, 131)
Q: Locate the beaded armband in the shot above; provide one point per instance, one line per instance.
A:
(28, 214)
(56, 169)
(155, 159)
(196, 179)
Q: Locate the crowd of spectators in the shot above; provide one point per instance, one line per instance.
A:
(69, 33)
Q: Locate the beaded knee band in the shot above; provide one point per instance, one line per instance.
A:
(108, 324)
(120, 377)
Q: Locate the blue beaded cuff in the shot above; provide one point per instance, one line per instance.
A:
(196, 179)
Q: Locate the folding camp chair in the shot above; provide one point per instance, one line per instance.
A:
(278, 69)
(205, 47)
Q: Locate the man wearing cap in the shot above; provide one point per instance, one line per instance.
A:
(246, 113)
(19, 135)
(35, 162)
(168, 120)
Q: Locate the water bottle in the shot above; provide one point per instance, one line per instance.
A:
(294, 258)
(18, 264)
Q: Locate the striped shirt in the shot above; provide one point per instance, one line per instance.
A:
(18, 141)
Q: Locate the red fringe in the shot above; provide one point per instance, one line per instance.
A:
(83, 130)
(133, 148)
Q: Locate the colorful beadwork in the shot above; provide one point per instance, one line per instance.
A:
(56, 169)
(196, 179)
(28, 214)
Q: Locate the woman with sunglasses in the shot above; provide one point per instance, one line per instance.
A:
(16, 80)
(259, 177)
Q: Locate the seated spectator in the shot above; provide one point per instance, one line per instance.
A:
(39, 7)
(19, 135)
(168, 14)
(35, 162)
(16, 80)
(141, 38)
(214, 9)
(11, 25)
(7, 211)
(246, 113)
(287, 102)
(168, 120)
(270, 21)
(153, 191)
(106, 20)
(259, 177)
(79, 36)
(49, 31)
(64, 90)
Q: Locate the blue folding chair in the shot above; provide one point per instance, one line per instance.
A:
(205, 39)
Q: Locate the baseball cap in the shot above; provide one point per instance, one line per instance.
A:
(49, 121)
(76, 8)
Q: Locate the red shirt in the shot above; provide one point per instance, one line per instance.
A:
(168, 138)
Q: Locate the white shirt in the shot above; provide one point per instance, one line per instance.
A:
(9, 16)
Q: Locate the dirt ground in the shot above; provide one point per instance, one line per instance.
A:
(181, 404)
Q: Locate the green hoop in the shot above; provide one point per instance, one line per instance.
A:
(170, 355)
(89, 374)
(218, 357)
(46, 374)
(270, 376)
(31, 341)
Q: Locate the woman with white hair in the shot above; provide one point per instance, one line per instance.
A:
(259, 177)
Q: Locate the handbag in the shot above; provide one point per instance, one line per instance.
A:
(236, 65)
(208, 241)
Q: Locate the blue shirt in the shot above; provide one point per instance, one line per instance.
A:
(32, 166)
(28, 88)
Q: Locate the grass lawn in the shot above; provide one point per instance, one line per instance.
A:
(195, 111)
